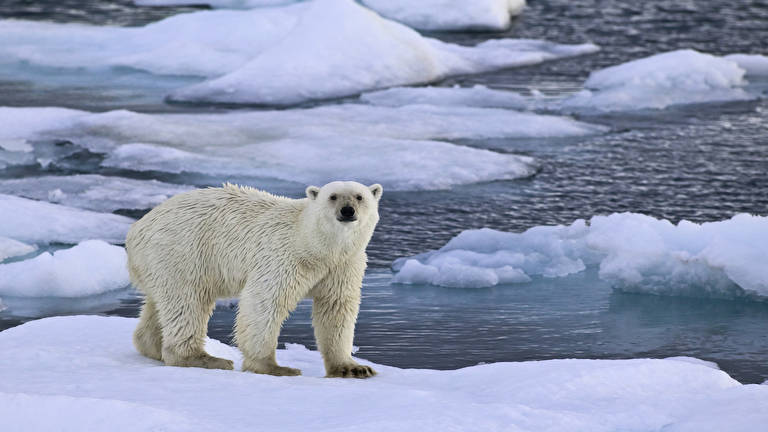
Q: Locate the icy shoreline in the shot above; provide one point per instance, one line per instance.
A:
(81, 373)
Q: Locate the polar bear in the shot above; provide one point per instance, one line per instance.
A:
(271, 251)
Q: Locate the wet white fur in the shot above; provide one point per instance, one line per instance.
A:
(271, 251)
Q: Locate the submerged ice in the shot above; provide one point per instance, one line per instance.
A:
(634, 252)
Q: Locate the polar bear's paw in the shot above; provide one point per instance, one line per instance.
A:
(203, 360)
(269, 367)
(351, 370)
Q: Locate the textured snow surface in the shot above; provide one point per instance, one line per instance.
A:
(753, 64)
(635, 253)
(449, 14)
(92, 267)
(39, 222)
(82, 373)
(399, 147)
(93, 192)
(661, 80)
(10, 248)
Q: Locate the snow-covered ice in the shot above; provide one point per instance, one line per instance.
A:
(449, 15)
(82, 373)
(635, 253)
(476, 96)
(400, 147)
(226, 4)
(31, 221)
(276, 55)
(753, 64)
(10, 248)
(89, 268)
(661, 80)
(93, 192)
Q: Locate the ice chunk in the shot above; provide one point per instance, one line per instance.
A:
(91, 267)
(339, 48)
(93, 192)
(396, 146)
(32, 221)
(661, 80)
(87, 366)
(227, 4)
(476, 96)
(635, 253)
(10, 248)
(449, 14)
(753, 64)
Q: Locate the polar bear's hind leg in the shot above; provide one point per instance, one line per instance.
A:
(148, 338)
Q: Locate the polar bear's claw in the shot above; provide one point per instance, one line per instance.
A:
(352, 371)
(204, 361)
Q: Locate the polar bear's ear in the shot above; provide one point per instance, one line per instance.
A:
(312, 192)
(376, 190)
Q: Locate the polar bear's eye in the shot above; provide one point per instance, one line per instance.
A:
(359, 197)
(333, 197)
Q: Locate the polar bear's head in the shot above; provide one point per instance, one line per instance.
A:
(341, 207)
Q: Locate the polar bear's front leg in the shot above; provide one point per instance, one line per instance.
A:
(264, 305)
(336, 302)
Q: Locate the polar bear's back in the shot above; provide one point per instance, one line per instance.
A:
(205, 236)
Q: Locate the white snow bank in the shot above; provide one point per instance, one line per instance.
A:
(397, 147)
(86, 366)
(661, 80)
(93, 192)
(32, 221)
(92, 267)
(449, 14)
(10, 248)
(753, 64)
(339, 48)
(635, 253)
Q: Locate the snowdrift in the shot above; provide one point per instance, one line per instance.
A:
(82, 373)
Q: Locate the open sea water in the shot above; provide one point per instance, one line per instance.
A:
(700, 163)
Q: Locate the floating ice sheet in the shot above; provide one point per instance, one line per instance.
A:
(661, 80)
(476, 96)
(39, 222)
(93, 192)
(10, 248)
(87, 367)
(753, 64)
(92, 267)
(635, 253)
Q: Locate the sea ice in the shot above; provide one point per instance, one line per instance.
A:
(399, 147)
(39, 222)
(477, 96)
(753, 64)
(450, 15)
(635, 253)
(93, 192)
(89, 268)
(661, 80)
(83, 373)
(10, 248)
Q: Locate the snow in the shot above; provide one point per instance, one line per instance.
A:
(275, 55)
(662, 80)
(400, 147)
(227, 4)
(450, 15)
(39, 222)
(635, 253)
(93, 192)
(10, 248)
(317, 60)
(476, 96)
(86, 367)
(89, 268)
(753, 64)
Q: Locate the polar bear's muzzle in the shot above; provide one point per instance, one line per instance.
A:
(347, 214)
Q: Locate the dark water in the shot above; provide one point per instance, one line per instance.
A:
(702, 163)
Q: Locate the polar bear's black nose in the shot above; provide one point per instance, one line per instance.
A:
(347, 211)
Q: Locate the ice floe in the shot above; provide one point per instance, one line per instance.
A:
(339, 48)
(87, 368)
(89, 268)
(400, 147)
(38, 222)
(476, 96)
(635, 253)
(10, 248)
(449, 15)
(753, 64)
(662, 80)
(93, 192)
